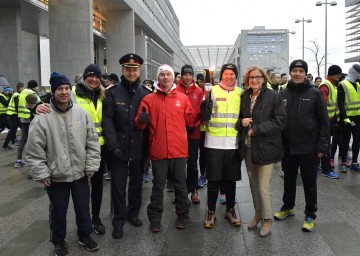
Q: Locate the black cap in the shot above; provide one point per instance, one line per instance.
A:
(148, 81)
(113, 77)
(228, 66)
(131, 60)
(92, 69)
(32, 84)
(200, 77)
(187, 69)
(334, 70)
(298, 64)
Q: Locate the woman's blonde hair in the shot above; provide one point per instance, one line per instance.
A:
(247, 75)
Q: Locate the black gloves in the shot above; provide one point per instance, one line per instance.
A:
(117, 153)
(144, 116)
(190, 130)
(206, 109)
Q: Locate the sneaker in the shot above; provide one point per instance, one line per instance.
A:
(284, 214)
(348, 163)
(182, 221)
(355, 167)
(281, 173)
(202, 181)
(222, 199)
(319, 169)
(169, 187)
(210, 219)
(61, 249)
(89, 244)
(309, 224)
(16, 142)
(145, 178)
(20, 163)
(332, 163)
(99, 228)
(343, 168)
(231, 216)
(331, 175)
(195, 198)
(8, 147)
(108, 176)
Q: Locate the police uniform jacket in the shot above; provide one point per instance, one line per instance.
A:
(119, 110)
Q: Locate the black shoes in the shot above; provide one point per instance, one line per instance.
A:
(99, 228)
(117, 233)
(182, 221)
(89, 244)
(135, 221)
(155, 227)
(61, 249)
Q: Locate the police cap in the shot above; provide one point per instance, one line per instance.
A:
(131, 60)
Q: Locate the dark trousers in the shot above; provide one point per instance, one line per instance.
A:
(120, 171)
(228, 188)
(24, 136)
(202, 156)
(59, 195)
(325, 161)
(335, 141)
(97, 188)
(14, 124)
(307, 164)
(192, 170)
(176, 167)
(346, 132)
(4, 122)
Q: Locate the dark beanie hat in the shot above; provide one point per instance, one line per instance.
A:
(176, 74)
(56, 80)
(334, 70)
(32, 84)
(32, 98)
(92, 69)
(187, 69)
(200, 77)
(228, 66)
(113, 77)
(298, 64)
(356, 67)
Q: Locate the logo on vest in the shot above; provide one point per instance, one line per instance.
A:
(178, 104)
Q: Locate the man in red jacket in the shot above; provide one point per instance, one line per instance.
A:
(195, 94)
(167, 113)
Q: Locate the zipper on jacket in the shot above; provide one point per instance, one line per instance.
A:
(299, 104)
(67, 137)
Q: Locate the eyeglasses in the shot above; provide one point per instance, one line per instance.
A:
(255, 77)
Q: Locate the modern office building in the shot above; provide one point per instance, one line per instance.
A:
(353, 30)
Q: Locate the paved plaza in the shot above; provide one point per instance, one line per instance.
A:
(24, 222)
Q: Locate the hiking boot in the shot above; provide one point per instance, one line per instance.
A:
(309, 224)
(155, 227)
(195, 198)
(343, 168)
(331, 175)
(20, 163)
(117, 233)
(89, 244)
(202, 182)
(61, 249)
(222, 199)
(231, 216)
(8, 147)
(182, 221)
(210, 219)
(99, 228)
(282, 214)
(355, 167)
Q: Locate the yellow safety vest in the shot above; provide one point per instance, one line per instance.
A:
(95, 114)
(352, 98)
(11, 110)
(3, 108)
(23, 112)
(332, 99)
(268, 85)
(225, 112)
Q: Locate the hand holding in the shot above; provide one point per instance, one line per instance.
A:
(144, 116)
(43, 108)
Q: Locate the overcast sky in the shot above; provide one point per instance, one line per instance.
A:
(219, 22)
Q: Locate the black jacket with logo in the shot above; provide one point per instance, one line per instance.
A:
(307, 129)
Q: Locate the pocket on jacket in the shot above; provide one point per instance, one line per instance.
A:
(266, 153)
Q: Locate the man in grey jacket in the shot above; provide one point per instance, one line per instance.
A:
(63, 153)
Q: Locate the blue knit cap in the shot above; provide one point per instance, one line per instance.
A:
(56, 80)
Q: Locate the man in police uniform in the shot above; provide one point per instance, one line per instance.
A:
(125, 143)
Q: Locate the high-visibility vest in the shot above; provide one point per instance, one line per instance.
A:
(3, 108)
(11, 109)
(95, 114)
(23, 112)
(352, 98)
(225, 112)
(332, 99)
(268, 85)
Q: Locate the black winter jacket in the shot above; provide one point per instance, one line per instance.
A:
(269, 118)
(307, 129)
(119, 110)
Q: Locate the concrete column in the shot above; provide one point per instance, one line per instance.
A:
(71, 36)
(120, 37)
(30, 57)
(140, 45)
(11, 45)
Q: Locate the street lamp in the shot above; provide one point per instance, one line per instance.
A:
(319, 3)
(303, 31)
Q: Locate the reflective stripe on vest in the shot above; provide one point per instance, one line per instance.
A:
(332, 99)
(225, 112)
(352, 98)
(95, 114)
(3, 109)
(11, 109)
(23, 112)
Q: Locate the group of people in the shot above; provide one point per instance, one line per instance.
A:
(123, 125)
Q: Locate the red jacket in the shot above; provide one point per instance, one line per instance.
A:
(168, 116)
(195, 95)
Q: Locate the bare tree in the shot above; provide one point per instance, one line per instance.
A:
(319, 59)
